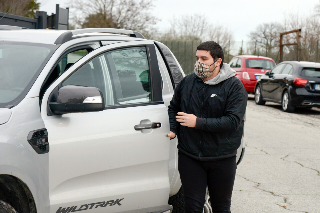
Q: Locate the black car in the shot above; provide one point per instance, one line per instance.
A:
(291, 83)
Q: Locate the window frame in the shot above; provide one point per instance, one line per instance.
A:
(237, 58)
(284, 69)
(73, 49)
(155, 76)
(284, 65)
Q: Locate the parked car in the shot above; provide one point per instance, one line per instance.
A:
(249, 68)
(83, 122)
(291, 83)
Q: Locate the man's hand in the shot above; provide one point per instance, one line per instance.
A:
(171, 135)
(185, 119)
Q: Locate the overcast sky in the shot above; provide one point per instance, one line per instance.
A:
(240, 16)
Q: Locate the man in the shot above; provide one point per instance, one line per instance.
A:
(206, 112)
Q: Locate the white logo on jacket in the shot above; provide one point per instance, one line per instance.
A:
(213, 95)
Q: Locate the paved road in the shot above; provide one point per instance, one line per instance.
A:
(280, 171)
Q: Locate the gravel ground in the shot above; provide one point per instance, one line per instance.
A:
(280, 171)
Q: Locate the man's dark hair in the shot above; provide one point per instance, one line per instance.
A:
(214, 48)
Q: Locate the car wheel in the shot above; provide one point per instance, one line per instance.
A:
(6, 208)
(286, 103)
(258, 96)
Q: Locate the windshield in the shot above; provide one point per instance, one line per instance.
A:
(260, 64)
(311, 72)
(20, 64)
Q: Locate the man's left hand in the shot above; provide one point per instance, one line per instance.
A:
(185, 119)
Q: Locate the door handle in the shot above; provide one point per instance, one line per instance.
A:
(153, 125)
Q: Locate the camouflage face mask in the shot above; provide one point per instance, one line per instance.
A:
(202, 70)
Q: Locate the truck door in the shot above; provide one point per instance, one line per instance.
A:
(114, 160)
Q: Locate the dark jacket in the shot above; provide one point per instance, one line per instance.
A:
(219, 109)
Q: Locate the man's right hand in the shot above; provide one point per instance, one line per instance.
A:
(171, 135)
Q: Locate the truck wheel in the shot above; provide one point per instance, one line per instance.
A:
(6, 208)
(16, 193)
(177, 201)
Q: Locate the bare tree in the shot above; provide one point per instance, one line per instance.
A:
(192, 26)
(310, 34)
(317, 9)
(187, 32)
(125, 14)
(26, 8)
(188, 27)
(196, 27)
(220, 34)
(266, 36)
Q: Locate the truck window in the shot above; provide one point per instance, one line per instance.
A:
(131, 75)
(64, 63)
(122, 75)
(20, 65)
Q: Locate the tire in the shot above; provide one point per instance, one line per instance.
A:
(16, 194)
(286, 103)
(258, 96)
(6, 208)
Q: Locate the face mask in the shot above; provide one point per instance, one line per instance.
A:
(202, 70)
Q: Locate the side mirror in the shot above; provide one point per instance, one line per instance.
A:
(71, 99)
(268, 73)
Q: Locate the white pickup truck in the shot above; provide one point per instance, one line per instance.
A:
(83, 122)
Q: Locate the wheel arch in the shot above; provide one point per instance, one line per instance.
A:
(17, 193)
(257, 84)
(283, 91)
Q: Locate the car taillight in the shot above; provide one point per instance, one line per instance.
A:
(300, 82)
(245, 75)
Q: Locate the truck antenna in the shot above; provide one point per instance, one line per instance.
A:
(10, 10)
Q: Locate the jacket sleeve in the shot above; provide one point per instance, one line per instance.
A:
(174, 108)
(236, 104)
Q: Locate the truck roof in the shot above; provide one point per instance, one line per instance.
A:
(60, 36)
